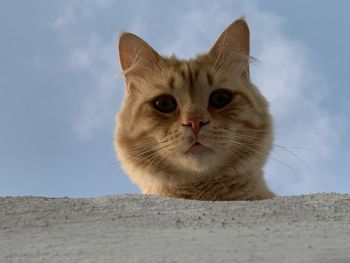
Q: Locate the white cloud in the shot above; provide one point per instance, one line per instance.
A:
(101, 102)
(96, 58)
(71, 11)
(80, 59)
(285, 76)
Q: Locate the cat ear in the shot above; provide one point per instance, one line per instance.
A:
(232, 47)
(136, 56)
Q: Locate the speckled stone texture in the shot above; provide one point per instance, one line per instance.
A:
(139, 228)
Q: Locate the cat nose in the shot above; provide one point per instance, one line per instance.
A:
(195, 123)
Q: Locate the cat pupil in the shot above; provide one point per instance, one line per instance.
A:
(165, 104)
(219, 99)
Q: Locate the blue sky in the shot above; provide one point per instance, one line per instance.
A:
(61, 85)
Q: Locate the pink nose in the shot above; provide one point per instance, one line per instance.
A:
(195, 123)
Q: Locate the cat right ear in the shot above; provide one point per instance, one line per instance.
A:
(232, 47)
(136, 56)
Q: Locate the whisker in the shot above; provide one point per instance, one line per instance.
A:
(250, 140)
(252, 150)
(295, 156)
(136, 157)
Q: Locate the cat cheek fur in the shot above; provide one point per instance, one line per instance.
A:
(153, 147)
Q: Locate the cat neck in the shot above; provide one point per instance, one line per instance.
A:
(223, 185)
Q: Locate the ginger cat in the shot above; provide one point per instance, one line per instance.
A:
(195, 129)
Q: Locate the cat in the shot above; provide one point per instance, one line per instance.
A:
(197, 128)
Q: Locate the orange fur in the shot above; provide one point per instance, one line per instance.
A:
(152, 146)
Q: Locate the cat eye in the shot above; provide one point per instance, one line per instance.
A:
(220, 98)
(165, 103)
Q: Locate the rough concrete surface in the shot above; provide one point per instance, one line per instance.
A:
(139, 228)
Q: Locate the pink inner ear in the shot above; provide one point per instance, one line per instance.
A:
(136, 56)
(234, 38)
(232, 47)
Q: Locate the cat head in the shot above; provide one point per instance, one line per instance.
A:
(191, 116)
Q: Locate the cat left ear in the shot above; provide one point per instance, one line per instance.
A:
(232, 47)
(136, 56)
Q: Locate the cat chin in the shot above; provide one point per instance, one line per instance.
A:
(198, 162)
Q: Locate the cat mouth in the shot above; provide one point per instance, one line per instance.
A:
(197, 149)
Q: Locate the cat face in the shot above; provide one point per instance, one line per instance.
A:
(191, 116)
